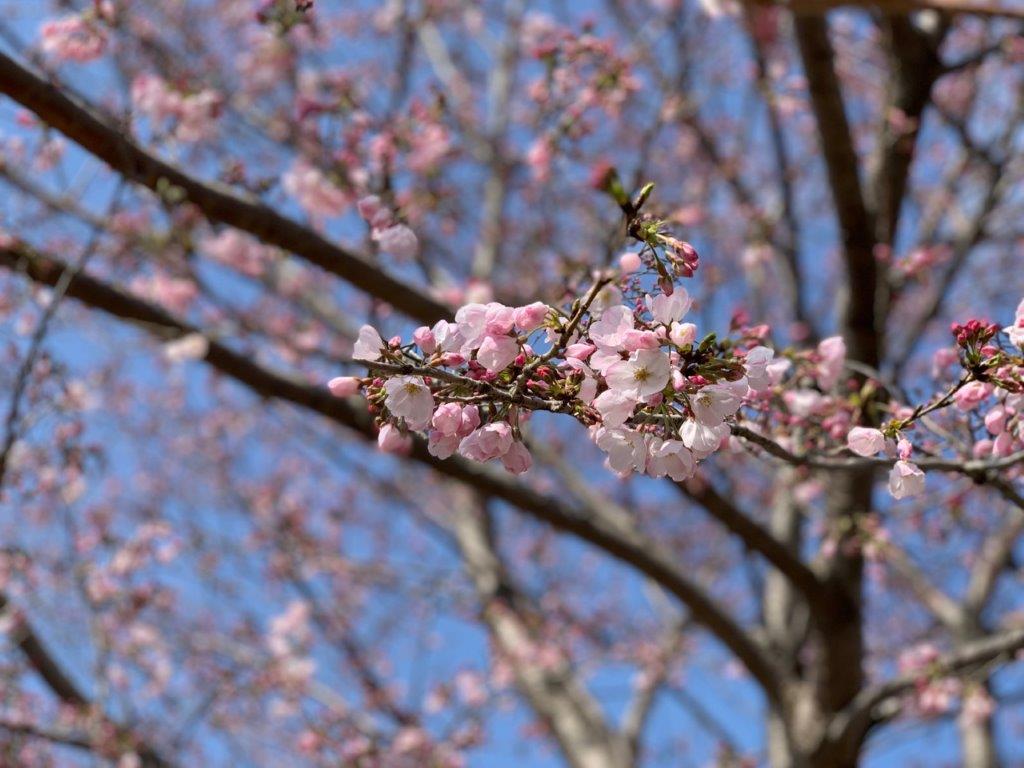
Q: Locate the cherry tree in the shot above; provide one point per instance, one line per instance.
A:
(442, 383)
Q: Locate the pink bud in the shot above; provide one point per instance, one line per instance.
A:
(865, 441)
(995, 420)
(517, 459)
(580, 351)
(682, 334)
(424, 338)
(343, 386)
(904, 448)
(368, 206)
(629, 262)
(531, 317)
(391, 440)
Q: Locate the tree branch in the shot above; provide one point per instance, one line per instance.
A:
(619, 540)
(860, 716)
(58, 681)
(856, 224)
(85, 126)
(555, 693)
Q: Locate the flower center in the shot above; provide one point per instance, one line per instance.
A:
(411, 388)
(641, 374)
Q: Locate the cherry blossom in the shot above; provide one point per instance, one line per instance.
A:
(409, 398)
(74, 38)
(490, 441)
(756, 363)
(669, 457)
(905, 479)
(369, 344)
(645, 373)
(865, 441)
(344, 386)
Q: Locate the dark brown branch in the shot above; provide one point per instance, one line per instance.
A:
(759, 539)
(861, 307)
(85, 126)
(856, 224)
(625, 543)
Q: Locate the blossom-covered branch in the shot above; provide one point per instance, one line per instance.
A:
(622, 360)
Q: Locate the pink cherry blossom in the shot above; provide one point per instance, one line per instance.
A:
(398, 240)
(442, 445)
(1003, 444)
(369, 344)
(447, 336)
(313, 191)
(682, 334)
(645, 373)
(579, 351)
(978, 706)
(626, 449)
(669, 309)
(490, 441)
(391, 440)
(995, 420)
(777, 370)
(701, 438)
(905, 480)
(499, 319)
(73, 38)
(629, 262)
(409, 398)
(756, 365)
(609, 331)
(804, 402)
(470, 419)
(471, 321)
(669, 457)
(832, 352)
(603, 359)
(1016, 331)
(530, 317)
(424, 339)
(447, 419)
(865, 441)
(237, 250)
(517, 459)
(971, 395)
(715, 403)
(538, 158)
(615, 407)
(343, 386)
(637, 340)
(497, 352)
(370, 206)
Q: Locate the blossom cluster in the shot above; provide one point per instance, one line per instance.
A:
(657, 398)
(192, 115)
(992, 387)
(78, 37)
